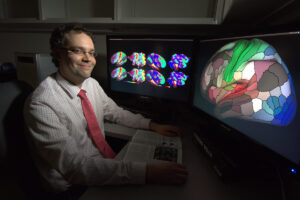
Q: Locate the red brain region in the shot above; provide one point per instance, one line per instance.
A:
(248, 79)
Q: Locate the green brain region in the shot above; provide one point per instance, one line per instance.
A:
(247, 79)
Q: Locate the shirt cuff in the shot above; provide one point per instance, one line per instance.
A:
(145, 123)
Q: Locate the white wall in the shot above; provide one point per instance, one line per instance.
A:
(39, 43)
(22, 42)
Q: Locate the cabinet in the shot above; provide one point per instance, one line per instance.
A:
(170, 11)
(19, 9)
(115, 11)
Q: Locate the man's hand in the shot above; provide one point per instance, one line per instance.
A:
(166, 173)
(167, 130)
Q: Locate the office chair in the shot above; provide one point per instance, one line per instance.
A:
(18, 172)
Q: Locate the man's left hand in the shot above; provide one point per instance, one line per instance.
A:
(164, 129)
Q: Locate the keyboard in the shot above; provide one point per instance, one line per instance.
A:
(165, 153)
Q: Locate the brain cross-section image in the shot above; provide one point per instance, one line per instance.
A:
(155, 78)
(178, 61)
(138, 75)
(156, 61)
(119, 73)
(119, 58)
(247, 79)
(138, 59)
(177, 79)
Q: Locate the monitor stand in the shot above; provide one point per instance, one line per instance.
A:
(153, 108)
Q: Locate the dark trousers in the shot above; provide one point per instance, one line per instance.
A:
(73, 193)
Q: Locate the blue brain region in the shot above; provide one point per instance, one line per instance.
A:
(177, 79)
(156, 61)
(138, 59)
(119, 58)
(155, 78)
(178, 61)
(119, 73)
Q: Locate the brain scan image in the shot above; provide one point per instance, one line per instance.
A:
(119, 58)
(178, 61)
(138, 75)
(138, 59)
(247, 79)
(119, 73)
(177, 79)
(155, 78)
(156, 61)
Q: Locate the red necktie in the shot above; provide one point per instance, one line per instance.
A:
(94, 127)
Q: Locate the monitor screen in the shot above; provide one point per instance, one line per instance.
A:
(150, 66)
(250, 84)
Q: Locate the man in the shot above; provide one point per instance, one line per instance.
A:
(65, 151)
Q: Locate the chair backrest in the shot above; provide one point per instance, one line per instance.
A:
(15, 159)
(13, 96)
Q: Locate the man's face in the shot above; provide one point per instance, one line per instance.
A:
(73, 65)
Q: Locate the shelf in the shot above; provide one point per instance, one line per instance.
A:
(113, 12)
(169, 11)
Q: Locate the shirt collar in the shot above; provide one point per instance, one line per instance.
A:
(71, 89)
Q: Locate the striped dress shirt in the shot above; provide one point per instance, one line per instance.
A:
(62, 147)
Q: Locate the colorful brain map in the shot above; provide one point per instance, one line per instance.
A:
(119, 58)
(155, 78)
(247, 79)
(178, 61)
(156, 61)
(119, 73)
(138, 75)
(138, 59)
(177, 79)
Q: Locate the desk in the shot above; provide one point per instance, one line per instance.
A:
(202, 183)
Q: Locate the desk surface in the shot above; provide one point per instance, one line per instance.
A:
(202, 183)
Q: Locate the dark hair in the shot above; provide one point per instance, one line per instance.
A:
(57, 39)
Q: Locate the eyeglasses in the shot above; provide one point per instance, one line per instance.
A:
(80, 52)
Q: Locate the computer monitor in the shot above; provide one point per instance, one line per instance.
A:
(156, 67)
(250, 84)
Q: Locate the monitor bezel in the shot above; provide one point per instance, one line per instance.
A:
(149, 98)
(271, 156)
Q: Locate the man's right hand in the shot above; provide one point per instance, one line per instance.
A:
(166, 173)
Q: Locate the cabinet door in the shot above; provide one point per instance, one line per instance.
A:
(170, 11)
(52, 9)
(90, 9)
(16, 9)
